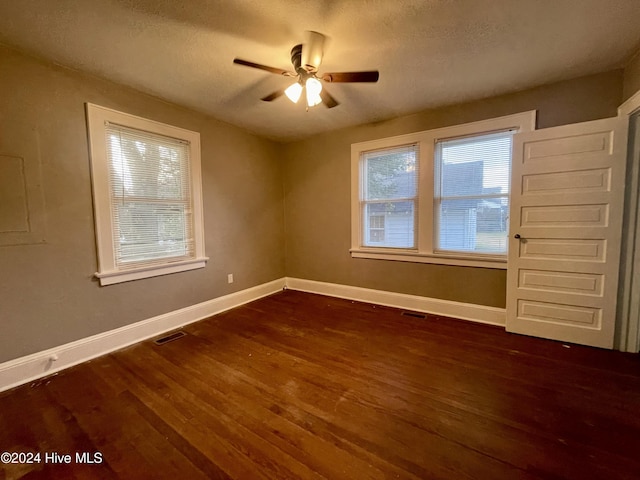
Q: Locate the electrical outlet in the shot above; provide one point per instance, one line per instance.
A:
(230, 278)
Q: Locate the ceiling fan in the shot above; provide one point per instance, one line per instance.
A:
(306, 59)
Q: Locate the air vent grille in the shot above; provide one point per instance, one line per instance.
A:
(414, 314)
(169, 338)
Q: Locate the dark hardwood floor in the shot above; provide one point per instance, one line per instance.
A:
(301, 386)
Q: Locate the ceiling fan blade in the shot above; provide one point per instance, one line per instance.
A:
(271, 97)
(279, 71)
(327, 99)
(347, 77)
(312, 51)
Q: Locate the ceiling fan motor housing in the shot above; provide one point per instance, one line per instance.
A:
(313, 51)
(296, 58)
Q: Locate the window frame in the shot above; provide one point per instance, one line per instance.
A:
(425, 223)
(108, 272)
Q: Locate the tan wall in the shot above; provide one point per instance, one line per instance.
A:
(632, 76)
(317, 192)
(48, 295)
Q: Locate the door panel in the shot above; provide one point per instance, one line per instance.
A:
(566, 207)
(583, 144)
(565, 216)
(578, 181)
(576, 283)
(559, 314)
(585, 250)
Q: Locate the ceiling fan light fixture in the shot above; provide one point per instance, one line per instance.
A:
(314, 87)
(306, 59)
(293, 92)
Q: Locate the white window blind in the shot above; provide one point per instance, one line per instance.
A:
(150, 196)
(389, 197)
(471, 193)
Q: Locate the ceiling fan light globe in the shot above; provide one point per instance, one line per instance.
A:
(314, 87)
(293, 92)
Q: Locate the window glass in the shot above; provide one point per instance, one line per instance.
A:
(150, 196)
(472, 193)
(389, 202)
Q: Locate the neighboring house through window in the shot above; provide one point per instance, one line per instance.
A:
(376, 229)
(147, 196)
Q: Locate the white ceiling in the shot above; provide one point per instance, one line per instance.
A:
(429, 52)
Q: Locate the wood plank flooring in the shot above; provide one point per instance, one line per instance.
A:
(302, 386)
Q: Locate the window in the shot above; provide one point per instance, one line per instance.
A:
(147, 196)
(439, 196)
(471, 198)
(390, 197)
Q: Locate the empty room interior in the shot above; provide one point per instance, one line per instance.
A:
(341, 239)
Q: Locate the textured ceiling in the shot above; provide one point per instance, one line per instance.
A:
(429, 53)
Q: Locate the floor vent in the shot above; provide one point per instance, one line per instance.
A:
(414, 314)
(169, 338)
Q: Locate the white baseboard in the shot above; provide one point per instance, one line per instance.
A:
(434, 306)
(31, 367)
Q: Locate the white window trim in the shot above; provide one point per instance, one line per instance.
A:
(108, 273)
(426, 140)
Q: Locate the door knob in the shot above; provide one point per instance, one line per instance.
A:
(517, 235)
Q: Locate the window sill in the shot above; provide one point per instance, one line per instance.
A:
(118, 276)
(486, 261)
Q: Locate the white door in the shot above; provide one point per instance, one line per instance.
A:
(567, 199)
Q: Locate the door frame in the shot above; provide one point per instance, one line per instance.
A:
(628, 312)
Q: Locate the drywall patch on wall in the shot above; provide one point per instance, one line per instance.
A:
(21, 200)
(14, 213)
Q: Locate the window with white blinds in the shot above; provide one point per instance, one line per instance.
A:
(389, 197)
(471, 193)
(150, 190)
(147, 196)
(436, 196)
